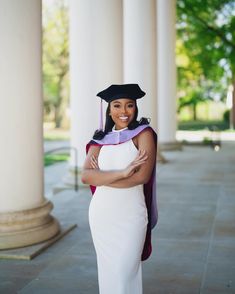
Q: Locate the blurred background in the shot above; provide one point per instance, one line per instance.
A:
(205, 60)
(182, 53)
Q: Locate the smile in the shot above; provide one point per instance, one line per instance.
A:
(123, 118)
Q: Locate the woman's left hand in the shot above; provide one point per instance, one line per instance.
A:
(94, 162)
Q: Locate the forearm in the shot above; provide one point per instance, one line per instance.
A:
(97, 177)
(129, 182)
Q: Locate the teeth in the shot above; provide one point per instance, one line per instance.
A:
(123, 117)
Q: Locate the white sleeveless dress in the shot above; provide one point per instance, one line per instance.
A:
(118, 221)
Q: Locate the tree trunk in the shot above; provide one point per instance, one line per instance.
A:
(194, 111)
(57, 117)
(233, 106)
(59, 106)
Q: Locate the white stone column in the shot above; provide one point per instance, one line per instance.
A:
(24, 212)
(166, 73)
(95, 63)
(107, 41)
(140, 52)
(82, 108)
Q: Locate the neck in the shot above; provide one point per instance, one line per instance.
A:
(118, 130)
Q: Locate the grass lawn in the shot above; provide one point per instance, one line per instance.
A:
(50, 159)
(200, 125)
(52, 134)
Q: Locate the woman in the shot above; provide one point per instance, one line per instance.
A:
(120, 167)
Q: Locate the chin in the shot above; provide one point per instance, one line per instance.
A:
(122, 125)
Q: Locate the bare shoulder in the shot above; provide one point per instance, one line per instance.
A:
(94, 150)
(146, 134)
(144, 138)
(146, 142)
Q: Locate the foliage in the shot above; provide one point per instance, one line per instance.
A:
(205, 50)
(226, 115)
(50, 159)
(56, 137)
(201, 125)
(55, 59)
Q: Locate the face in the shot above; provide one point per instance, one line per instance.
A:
(122, 112)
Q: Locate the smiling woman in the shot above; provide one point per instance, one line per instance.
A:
(120, 168)
(121, 103)
(122, 112)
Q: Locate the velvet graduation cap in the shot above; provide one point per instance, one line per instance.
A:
(131, 91)
(113, 92)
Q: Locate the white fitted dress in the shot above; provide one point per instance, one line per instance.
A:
(118, 222)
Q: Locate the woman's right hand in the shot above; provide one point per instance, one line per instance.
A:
(94, 162)
(134, 166)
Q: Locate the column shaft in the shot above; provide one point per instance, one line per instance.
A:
(166, 70)
(140, 52)
(95, 63)
(21, 178)
(24, 212)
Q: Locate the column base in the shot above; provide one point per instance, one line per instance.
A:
(161, 158)
(27, 227)
(168, 146)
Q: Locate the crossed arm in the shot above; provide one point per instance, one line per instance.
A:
(136, 173)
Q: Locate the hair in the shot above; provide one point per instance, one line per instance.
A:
(109, 123)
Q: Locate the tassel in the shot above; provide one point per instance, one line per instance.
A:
(101, 115)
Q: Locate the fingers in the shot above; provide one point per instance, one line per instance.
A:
(142, 156)
(134, 167)
(94, 162)
(138, 162)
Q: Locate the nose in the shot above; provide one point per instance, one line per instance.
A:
(123, 110)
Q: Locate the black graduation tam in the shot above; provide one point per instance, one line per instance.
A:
(113, 92)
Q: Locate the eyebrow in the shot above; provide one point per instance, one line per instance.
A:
(120, 102)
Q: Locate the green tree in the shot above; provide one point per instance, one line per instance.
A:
(55, 59)
(205, 49)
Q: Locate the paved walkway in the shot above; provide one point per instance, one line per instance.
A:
(193, 243)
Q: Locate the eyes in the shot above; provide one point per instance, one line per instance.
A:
(130, 105)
